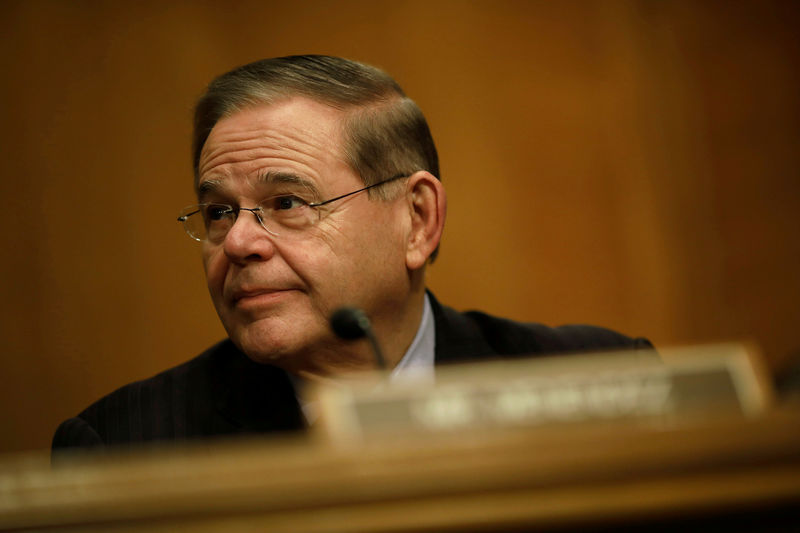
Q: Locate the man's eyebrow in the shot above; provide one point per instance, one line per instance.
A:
(211, 186)
(287, 178)
(208, 187)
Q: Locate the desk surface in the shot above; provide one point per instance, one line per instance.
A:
(571, 476)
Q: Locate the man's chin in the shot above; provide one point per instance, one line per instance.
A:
(269, 343)
(266, 351)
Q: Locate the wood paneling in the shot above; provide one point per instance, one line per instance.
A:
(632, 164)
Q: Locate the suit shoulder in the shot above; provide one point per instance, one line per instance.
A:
(192, 369)
(474, 335)
(510, 336)
(149, 409)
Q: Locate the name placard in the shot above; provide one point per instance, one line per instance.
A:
(553, 390)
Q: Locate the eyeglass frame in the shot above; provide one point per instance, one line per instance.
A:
(257, 210)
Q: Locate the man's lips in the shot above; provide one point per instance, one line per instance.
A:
(257, 295)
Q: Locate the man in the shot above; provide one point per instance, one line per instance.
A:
(318, 186)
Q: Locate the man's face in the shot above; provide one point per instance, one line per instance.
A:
(274, 294)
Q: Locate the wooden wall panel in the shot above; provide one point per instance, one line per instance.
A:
(632, 164)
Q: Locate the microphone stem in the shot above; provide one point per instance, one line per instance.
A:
(376, 349)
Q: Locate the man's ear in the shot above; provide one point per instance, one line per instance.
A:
(427, 203)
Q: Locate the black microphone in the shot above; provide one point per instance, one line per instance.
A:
(351, 323)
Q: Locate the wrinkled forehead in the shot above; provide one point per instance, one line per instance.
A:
(296, 135)
(296, 125)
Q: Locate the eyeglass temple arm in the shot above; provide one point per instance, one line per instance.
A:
(319, 204)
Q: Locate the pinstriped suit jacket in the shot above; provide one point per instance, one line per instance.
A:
(221, 392)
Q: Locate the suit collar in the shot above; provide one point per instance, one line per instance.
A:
(458, 339)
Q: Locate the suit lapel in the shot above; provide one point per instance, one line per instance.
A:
(458, 339)
(255, 398)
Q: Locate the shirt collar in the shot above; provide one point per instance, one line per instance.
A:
(418, 361)
(416, 365)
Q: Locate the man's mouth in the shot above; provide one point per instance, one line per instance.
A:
(257, 297)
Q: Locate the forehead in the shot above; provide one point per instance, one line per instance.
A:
(294, 136)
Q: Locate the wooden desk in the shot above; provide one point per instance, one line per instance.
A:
(579, 477)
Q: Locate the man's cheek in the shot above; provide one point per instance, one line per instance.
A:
(215, 274)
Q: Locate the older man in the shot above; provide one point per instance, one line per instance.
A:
(318, 186)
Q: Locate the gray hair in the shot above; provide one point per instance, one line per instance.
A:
(385, 133)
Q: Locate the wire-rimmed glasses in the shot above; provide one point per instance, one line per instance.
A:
(279, 215)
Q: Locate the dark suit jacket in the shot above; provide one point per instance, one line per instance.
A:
(222, 392)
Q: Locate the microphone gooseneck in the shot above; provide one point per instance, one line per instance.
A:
(351, 323)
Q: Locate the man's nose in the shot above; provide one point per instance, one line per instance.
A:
(248, 240)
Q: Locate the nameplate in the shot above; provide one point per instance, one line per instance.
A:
(569, 389)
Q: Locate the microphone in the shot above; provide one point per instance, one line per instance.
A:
(351, 323)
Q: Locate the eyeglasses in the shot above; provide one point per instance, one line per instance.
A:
(283, 214)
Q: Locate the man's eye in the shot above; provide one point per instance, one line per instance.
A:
(286, 202)
(217, 212)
